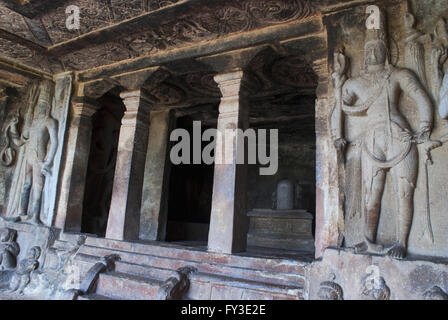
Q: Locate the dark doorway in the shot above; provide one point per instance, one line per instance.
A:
(190, 195)
(101, 169)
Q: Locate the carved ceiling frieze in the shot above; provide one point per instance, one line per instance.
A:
(107, 54)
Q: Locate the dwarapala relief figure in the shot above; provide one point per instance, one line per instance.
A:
(387, 144)
(32, 141)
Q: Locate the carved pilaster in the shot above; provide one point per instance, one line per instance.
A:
(77, 158)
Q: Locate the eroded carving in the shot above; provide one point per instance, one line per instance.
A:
(22, 275)
(435, 293)
(9, 249)
(388, 145)
(106, 264)
(175, 288)
(330, 290)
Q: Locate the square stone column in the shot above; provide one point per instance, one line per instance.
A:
(229, 222)
(124, 214)
(70, 205)
(154, 210)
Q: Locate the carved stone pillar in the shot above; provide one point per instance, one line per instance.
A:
(124, 214)
(229, 224)
(154, 207)
(70, 206)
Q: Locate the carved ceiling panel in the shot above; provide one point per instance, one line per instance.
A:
(94, 14)
(14, 23)
(29, 57)
(124, 39)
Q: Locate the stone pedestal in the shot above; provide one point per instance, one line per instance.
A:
(228, 224)
(70, 206)
(124, 215)
(154, 215)
(281, 229)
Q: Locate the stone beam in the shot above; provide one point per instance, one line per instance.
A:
(14, 66)
(232, 60)
(5, 34)
(135, 80)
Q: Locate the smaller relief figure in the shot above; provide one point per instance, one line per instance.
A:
(415, 47)
(38, 139)
(9, 249)
(22, 275)
(440, 65)
(439, 60)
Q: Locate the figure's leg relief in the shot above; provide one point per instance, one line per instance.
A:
(25, 196)
(406, 210)
(373, 204)
(405, 177)
(24, 281)
(38, 186)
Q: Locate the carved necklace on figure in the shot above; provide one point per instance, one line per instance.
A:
(377, 78)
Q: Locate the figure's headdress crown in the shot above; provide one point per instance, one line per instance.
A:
(45, 92)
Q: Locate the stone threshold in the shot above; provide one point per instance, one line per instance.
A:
(168, 250)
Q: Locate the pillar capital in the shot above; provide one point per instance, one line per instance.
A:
(234, 92)
(84, 107)
(137, 108)
(232, 84)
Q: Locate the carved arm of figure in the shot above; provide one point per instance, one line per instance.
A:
(339, 79)
(411, 86)
(52, 128)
